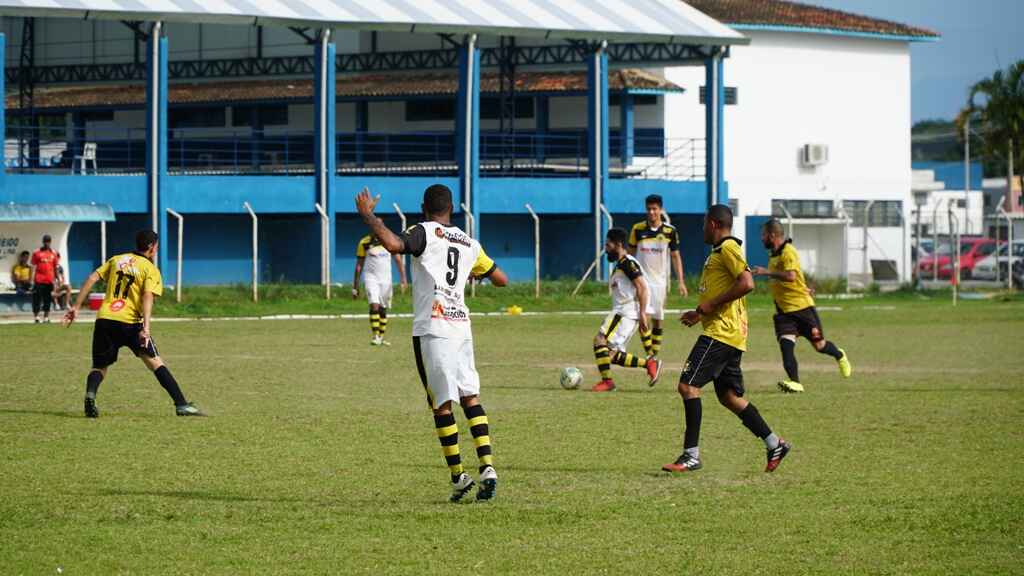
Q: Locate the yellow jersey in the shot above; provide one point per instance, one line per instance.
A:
(128, 277)
(728, 322)
(21, 273)
(788, 296)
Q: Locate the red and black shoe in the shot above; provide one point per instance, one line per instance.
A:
(684, 463)
(606, 385)
(653, 371)
(775, 455)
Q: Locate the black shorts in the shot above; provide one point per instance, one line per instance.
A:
(804, 322)
(711, 360)
(108, 336)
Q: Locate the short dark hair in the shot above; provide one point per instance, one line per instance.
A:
(774, 226)
(617, 235)
(144, 239)
(654, 199)
(437, 199)
(24, 253)
(46, 238)
(722, 214)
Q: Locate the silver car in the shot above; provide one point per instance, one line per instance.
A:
(986, 268)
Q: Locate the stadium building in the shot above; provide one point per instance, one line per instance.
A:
(810, 121)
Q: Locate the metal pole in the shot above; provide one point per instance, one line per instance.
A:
(255, 253)
(917, 242)
(587, 273)
(967, 173)
(846, 246)
(935, 239)
(467, 146)
(789, 218)
(903, 224)
(472, 224)
(154, 114)
(103, 241)
(864, 258)
(181, 244)
(608, 217)
(325, 259)
(955, 225)
(999, 235)
(1009, 248)
(536, 251)
(405, 225)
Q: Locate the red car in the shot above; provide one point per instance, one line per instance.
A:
(972, 250)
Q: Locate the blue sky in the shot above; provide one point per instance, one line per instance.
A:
(978, 36)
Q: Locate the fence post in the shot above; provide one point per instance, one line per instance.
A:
(405, 224)
(536, 251)
(255, 252)
(325, 251)
(181, 243)
(472, 226)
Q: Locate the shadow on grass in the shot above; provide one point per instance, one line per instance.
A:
(57, 413)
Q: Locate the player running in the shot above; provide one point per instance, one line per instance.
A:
(443, 259)
(654, 242)
(795, 314)
(124, 320)
(373, 262)
(716, 355)
(630, 309)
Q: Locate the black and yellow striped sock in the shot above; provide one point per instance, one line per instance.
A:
(647, 339)
(383, 321)
(448, 433)
(375, 322)
(626, 359)
(656, 334)
(480, 429)
(604, 361)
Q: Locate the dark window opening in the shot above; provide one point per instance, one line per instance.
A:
(203, 117)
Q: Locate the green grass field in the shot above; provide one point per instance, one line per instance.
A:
(320, 458)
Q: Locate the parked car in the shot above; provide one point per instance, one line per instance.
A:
(972, 250)
(986, 268)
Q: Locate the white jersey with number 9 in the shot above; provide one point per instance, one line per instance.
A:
(443, 259)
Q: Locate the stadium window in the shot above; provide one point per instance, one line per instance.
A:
(98, 116)
(432, 109)
(884, 213)
(270, 115)
(803, 208)
(490, 108)
(732, 97)
(638, 99)
(200, 117)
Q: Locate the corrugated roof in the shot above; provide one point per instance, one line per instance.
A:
(363, 86)
(613, 20)
(785, 14)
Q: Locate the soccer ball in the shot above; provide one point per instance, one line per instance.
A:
(570, 378)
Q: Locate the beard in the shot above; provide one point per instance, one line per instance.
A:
(768, 245)
(611, 257)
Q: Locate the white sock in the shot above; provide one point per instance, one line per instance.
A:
(693, 452)
(771, 441)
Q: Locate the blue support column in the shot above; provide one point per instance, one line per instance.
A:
(326, 140)
(362, 127)
(597, 146)
(714, 109)
(542, 127)
(3, 117)
(467, 128)
(627, 144)
(156, 134)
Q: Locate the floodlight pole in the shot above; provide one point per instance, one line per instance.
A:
(536, 251)
(472, 225)
(181, 244)
(325, 249)
(255, 252)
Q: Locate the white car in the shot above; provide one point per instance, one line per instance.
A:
(986, 268)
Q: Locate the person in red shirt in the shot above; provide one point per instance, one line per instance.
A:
(44, 271)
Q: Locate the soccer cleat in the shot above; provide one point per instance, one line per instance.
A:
(376, 341)
(791, 386)
(488, 484)
(775, 455)
(91, 411)
(188, 410)
(460, 487)
(384, 342)
(845, 368)
(604, 386)
(685, 463)
(653, 371)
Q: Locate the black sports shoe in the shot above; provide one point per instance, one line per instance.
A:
(488, 484)
(91, 411)
(776, 455)
(188, 410)
(685, 463)
(461, 485)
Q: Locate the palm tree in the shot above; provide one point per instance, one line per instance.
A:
(995, 107)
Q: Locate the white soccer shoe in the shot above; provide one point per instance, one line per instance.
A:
(460, 487)
(488, 484)
(376, 341)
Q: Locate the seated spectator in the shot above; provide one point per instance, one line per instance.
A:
(61, 290)
(21, 274)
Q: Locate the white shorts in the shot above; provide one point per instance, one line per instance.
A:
(618, 330)
(657, 295)
(447, 368)
(378, 293)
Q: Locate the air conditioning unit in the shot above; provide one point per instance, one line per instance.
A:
(814, 155)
